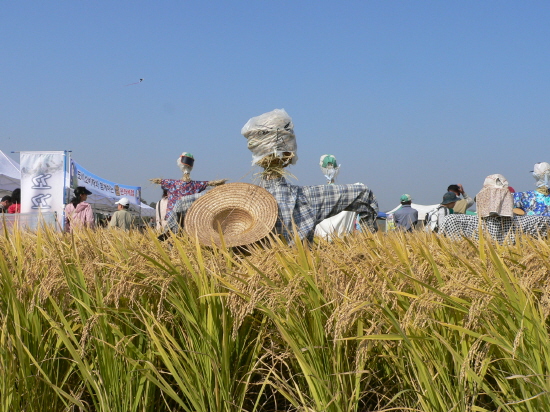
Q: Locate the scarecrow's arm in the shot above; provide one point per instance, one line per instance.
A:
(217, 182)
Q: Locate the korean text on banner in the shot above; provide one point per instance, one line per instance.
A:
(99, 186)
(42, 182)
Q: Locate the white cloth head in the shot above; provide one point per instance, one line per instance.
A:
(541, 173)
(270, 133)
(186, 169)
(329, 167)
(496, 181)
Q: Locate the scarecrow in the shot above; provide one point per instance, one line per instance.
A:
(272, 142)
(536, 202)
(342, 223)
(330, 168)
(176, 189)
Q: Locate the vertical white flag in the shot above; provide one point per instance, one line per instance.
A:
(43, 182)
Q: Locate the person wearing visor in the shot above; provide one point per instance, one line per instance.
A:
(78, 213)
(177, 188)
(536, 202)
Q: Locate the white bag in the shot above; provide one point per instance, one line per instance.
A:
(270, 133)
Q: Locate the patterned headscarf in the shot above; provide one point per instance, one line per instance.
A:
(495, 199)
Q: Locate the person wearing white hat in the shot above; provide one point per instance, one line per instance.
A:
(536, 202)
(122, 218)
(177, 188)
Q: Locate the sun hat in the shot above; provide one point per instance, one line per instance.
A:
(81, 190)
(245, 213)
(449, 197)
(406, 198)
(123, 201)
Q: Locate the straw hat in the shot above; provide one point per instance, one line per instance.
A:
(245, 213)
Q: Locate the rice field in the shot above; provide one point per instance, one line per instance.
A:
(115, 321)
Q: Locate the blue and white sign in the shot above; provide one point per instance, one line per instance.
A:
(43, 183)
(102, 187)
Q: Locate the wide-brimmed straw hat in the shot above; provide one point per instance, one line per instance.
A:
(245, 213)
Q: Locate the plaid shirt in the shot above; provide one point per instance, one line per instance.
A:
(306, 206)
(178, 189)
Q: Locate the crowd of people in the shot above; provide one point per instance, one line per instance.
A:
(501, 210)
(79, 213)
(270, 138)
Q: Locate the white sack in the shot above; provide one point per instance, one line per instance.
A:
(270, 133)
(341, 224)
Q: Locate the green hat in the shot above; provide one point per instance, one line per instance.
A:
(406, 198)
(327, 160)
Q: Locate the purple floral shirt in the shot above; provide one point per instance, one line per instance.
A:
(178, 188)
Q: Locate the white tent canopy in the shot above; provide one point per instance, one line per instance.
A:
(422, 209)
(106, 205)
(10, 175)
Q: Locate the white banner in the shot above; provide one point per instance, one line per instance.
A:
(43, 182)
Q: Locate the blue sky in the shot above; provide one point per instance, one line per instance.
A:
(409, 96)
